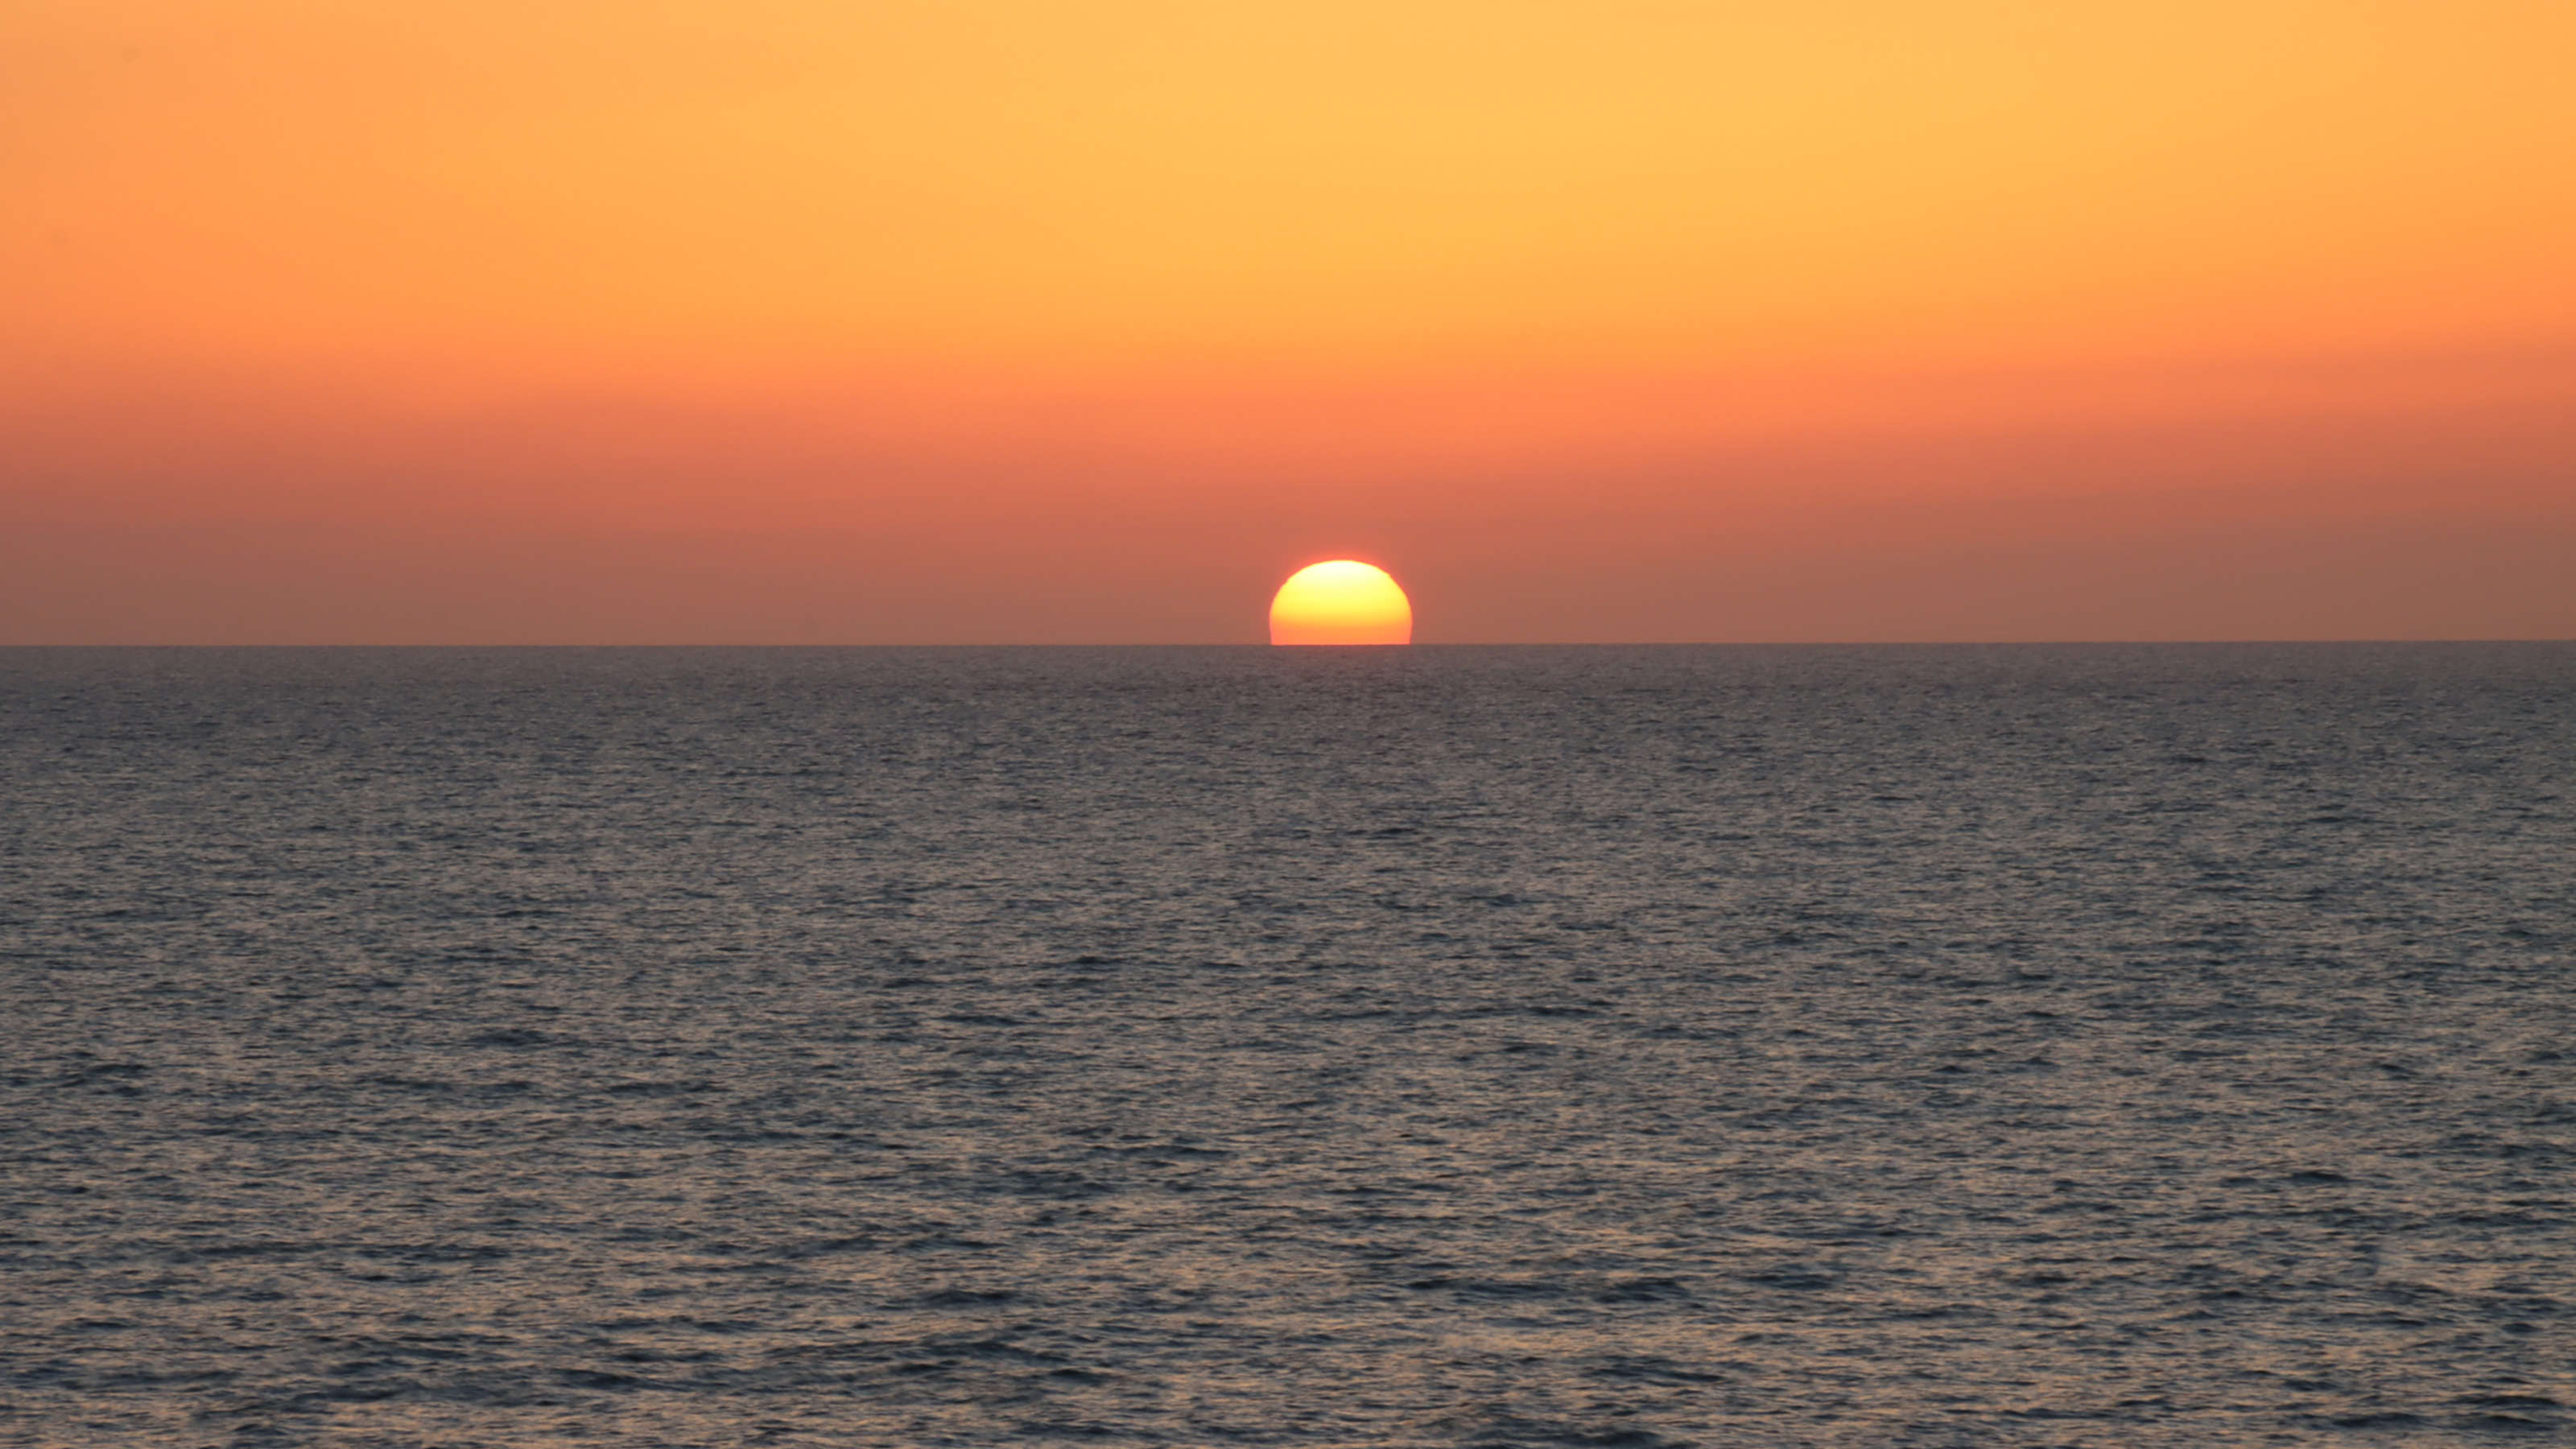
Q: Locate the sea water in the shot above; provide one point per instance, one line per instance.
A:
(1431, 1046)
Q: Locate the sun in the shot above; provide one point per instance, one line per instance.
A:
(1341, 602)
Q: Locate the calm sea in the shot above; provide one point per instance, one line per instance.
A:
(1444, 1046)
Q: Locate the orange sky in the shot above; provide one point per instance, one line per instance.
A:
(1003, 321)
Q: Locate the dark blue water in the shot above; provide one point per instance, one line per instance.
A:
(1196, 1047)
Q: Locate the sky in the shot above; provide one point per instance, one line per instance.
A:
(1089, 321)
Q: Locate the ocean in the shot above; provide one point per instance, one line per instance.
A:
(1726, 1046)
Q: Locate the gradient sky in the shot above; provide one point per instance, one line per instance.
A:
(1005, 321)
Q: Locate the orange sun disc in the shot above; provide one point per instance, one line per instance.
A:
(1341, 602)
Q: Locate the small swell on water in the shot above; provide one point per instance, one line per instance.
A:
(1614, 1047)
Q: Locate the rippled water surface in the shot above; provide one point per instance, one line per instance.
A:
(2107, 1046)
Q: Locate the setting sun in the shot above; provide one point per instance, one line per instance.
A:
(1341, 602)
